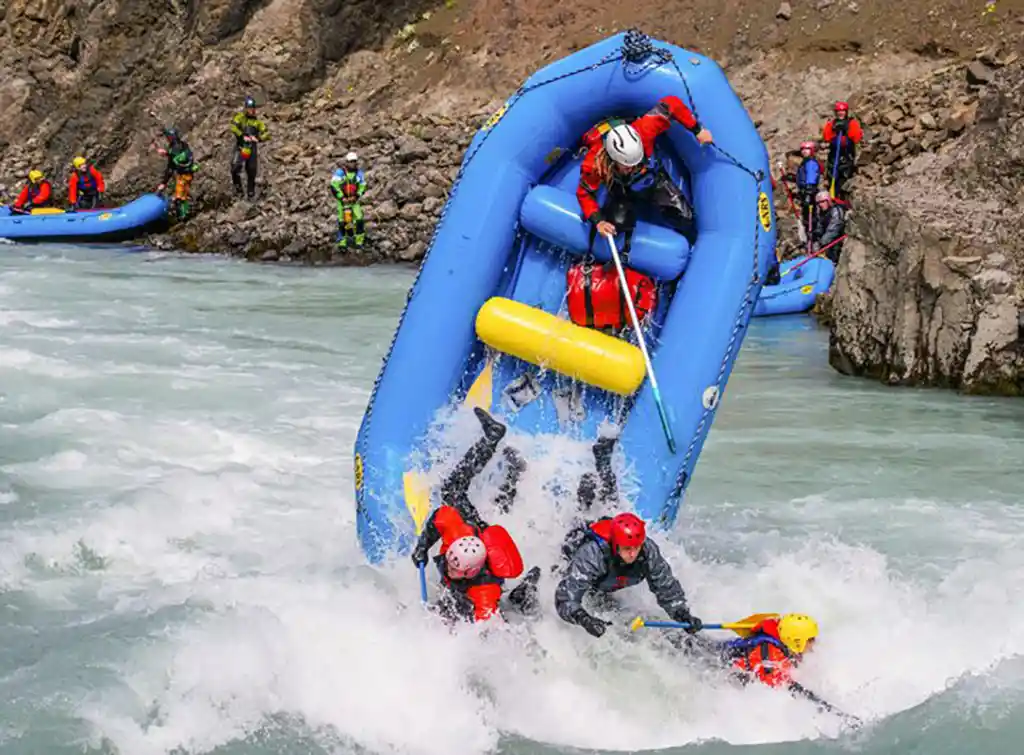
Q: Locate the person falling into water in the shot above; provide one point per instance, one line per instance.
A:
(475, 557)
(612, 553)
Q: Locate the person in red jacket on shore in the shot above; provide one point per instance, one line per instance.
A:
(475, 557)
(36, 193)
(621, 157)
(85, 187)
(843, 133)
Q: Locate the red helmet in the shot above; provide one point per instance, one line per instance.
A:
(628, 531)
(842, 107)
(808, 145)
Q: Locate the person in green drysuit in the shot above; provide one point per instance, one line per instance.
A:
(181, 167)
(248, 131)
(348, 184)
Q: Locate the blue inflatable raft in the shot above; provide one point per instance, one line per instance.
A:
(802, 281)
(482, 312)
(108, 224)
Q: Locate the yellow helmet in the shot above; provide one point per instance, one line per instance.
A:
(796, 630)
(78, 162)
(35, 176)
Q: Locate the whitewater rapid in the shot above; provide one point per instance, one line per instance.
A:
(180, 571)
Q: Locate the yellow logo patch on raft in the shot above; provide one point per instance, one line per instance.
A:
(493, 120)
(359, 473)
(106, 216)
(764, 211)
(806, 289)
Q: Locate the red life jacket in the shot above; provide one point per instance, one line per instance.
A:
(768, 660)
(595, 300)
(503, 558)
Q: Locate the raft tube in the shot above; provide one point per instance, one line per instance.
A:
(107, 224)
(798, 289)
(510, 230)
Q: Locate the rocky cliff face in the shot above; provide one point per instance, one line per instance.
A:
(930, 291)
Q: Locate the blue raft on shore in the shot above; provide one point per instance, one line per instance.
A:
(796, 292)
(107, 224)
(483, 314)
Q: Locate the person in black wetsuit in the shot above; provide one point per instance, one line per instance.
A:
(612, 553)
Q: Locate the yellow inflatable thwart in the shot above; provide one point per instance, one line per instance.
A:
(547, 341)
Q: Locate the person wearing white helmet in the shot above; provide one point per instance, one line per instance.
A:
(476, 558)
(621, 156)
(348, 184)
(829, 224)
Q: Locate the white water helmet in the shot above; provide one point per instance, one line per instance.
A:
(351, 157)
(624, 146)
(823, 196)
(466, 557)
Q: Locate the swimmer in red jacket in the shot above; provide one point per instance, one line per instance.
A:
(475, 557)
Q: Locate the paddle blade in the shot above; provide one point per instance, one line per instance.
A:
(637, 623)
(482, 390)
(743, 627)
(417, 498)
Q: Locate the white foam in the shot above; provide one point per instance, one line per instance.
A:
(214, 527)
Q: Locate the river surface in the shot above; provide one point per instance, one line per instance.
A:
(180, 574)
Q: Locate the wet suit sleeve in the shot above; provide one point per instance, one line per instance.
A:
(585, 571)
(237, 127)
(22, 198)
(429, 536)
(674, 107)
(659, 120)
(100, 186)
(586, 190)
(73, 187)
(44, 193)
(261, 131)
(666, 588)
(855, 131)
(360, 183)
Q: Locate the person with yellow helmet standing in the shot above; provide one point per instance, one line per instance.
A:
(85, 187)
(35, 194)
